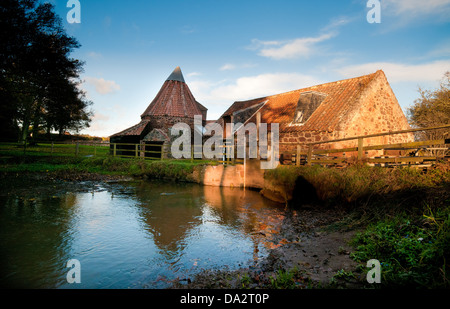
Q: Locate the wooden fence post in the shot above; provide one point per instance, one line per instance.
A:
(309, 158)
(360, 148)
(162, 152)
(297, 158)
(114, 149)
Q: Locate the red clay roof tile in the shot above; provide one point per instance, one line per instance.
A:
(280, 108)
(174, 99)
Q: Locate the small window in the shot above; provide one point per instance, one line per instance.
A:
(307, 103)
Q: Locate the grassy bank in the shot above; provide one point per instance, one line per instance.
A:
(66, 167)
(405, 215)
(66, 160)
(356, 183)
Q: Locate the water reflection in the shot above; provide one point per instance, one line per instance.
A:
(169, 211)
(34, 239)
(131, 235)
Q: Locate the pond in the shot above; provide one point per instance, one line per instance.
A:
(142, 234)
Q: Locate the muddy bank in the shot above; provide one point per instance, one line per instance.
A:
(322, 250)
(33, 177)
(313, 242)
(30, 184)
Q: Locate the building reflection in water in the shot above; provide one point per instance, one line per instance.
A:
(130, 234)
(172, 224)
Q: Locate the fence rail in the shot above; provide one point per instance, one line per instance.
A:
(146, 151)
(139, 151)
(418, 153)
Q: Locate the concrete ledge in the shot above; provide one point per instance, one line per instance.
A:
(234, 175)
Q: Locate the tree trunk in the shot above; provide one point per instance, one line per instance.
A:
(36, 122)
(27, 108)
(24, 134)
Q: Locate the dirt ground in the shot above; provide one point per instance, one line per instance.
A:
(323, 248)
(312, 240)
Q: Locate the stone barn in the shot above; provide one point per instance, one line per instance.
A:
(174, 103)
(347, 108)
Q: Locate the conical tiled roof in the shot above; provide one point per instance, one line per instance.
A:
(174, 99)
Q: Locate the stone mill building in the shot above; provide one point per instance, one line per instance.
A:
(353, 107)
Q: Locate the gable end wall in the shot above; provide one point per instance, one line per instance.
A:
(377, 111)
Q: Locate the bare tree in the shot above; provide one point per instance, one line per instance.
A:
(432, 109)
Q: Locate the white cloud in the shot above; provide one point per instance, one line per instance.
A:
(399, 72)
(406, 12)
(415, 7)
(100, 117)
(250, 87)
(94, 55)
(291, 49)
(227, 67)
(103, 86)
(337, 22)
(193, 74)
(299, 47)
(232, 66)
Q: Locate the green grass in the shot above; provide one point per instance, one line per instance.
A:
(286, 279)
(404, 214)
(63, 160)
(351, 184)
(45, 149)
(413, 251)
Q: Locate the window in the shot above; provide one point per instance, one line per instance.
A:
(307, 103)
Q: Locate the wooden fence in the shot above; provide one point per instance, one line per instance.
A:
(162, 152)
(420, 154)
(138, 151)
(144, 151)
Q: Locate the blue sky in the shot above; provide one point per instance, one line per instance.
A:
(237, 50)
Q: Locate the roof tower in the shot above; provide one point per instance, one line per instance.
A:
(174, 99)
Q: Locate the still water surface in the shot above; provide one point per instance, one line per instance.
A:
(129, 235)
